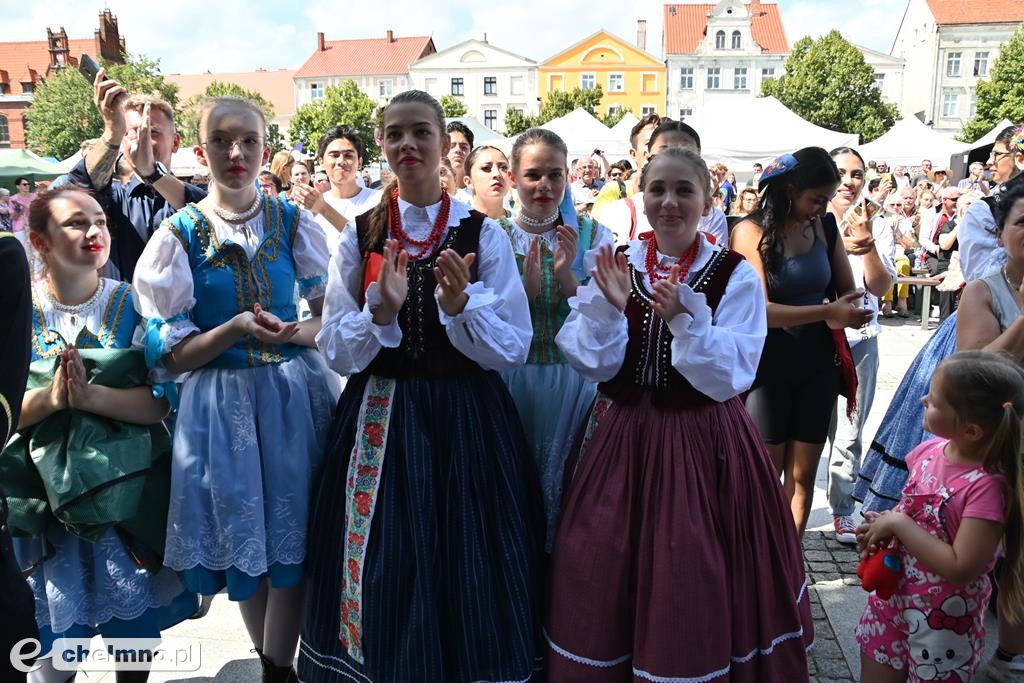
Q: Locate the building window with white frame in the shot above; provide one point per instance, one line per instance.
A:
(614, 109)
(950, 102)
(616, 83)
(685, 112)
(491, 118)
(981, 64)
(953, 64)
(517, 86)
(648, 109)
(686, 78)
(458, 87)
(767, 73)
(720, 40)
(384, 88)
(714, 78)
(490, 85)
(316, 91)
(588, 81)
(5, 134)
(739, 78)
(736, 40)
(879, 82)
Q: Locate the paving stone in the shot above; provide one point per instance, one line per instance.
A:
(822, 566)
(817, 555)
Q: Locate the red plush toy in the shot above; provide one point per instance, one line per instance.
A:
(881, 573)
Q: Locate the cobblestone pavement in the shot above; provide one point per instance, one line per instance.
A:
(826, 560)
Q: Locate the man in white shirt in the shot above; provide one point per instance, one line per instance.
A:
(341, 154)
(461, 139)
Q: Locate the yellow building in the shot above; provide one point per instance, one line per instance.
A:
(630, 76)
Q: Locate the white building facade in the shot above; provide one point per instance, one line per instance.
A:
(947, 48)
(888, 73)
(743, 46)
(486, 79)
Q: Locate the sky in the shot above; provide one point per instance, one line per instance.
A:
(193, 36)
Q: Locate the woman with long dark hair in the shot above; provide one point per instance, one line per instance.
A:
(795, 248)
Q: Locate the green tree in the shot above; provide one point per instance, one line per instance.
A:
(342, 105)
(1002, 95)
(616, 116)
(188, 120)
(452, 107)
(516, 122)
(274, 138)
(62, 114)
(828, 83)
(560, 103)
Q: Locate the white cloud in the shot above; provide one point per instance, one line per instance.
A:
(190, 36)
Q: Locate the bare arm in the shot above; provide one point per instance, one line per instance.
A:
(134, 406)
(333, 216)
(308, 329)
(948, 239)
(977, 326)
(198, 350)
(37, 405)
(100, 161)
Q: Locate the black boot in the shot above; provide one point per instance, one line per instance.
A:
(131, 676)
(272, 673)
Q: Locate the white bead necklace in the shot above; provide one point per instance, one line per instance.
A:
(237, 217)
(528, 222)
(77, 309)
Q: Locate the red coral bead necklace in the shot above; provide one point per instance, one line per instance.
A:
(658, 272)
(429, 245)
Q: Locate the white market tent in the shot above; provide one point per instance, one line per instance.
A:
(990, 137)
(908, 142)
(740, 133)
(482, 135)
(624, 127)
(583, 133)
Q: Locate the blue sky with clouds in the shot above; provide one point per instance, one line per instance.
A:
(191, 36)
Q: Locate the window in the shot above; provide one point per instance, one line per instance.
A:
(28, 87)
(491, 118)
(685, 112)
(649, 83)
(614, 109)
(648, 109)
(879, 81)
(720, 40)
(588, 81)
(430, 85)
(981, 63)
(5, 136)
(974, 104)
(384, 88)
(616, 83)
(714, 78)
(767, 73)
(686, 78)
(739, 79)
(556, 82)
(735, 40)
(517, 85)
(953, 64)
(316, 91)
(949, 104)
(490, 85)
(458, 88)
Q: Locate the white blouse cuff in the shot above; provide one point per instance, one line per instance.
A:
(390, 335)
(591, 304)
(480, 297)
(174, 332)
(697, 315)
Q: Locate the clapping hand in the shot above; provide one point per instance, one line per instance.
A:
(140, 150)
(666, 296)
(308, 197)
(565, 253)
(612, 277)
(392, 282)
(531, 269)
(452, 273)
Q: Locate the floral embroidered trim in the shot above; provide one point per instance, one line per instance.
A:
(597, 413)
(361, 488)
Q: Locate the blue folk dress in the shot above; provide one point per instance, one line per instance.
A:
(252, 424)
(85, 588)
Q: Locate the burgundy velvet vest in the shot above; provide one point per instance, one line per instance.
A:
(647, 368)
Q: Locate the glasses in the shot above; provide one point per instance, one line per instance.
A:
(22, 184)
(249, 145)
(994, 155)
(616, 175)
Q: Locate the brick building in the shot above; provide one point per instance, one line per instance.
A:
(25, 64)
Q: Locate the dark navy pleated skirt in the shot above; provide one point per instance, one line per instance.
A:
(451, 577)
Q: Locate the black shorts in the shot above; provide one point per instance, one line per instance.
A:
(795, 406)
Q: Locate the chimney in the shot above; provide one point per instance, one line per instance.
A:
(485, 37)
(391, 36)
(320, 41)
(641, 34)
(754, 8)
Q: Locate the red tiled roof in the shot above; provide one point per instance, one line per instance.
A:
(276, 86)
(366, 56)
(31, 58)
(972, 12)
(685, 26)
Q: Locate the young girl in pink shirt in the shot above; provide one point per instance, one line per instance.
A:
(963, 497)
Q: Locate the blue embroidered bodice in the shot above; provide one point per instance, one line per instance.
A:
(227, 282)
(116, 332)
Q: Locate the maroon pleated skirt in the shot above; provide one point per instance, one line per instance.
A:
(676, 558)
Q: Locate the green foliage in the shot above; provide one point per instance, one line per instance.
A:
(1002, 95)
(188, 120)
(560, 103)
(274, 138)
(828, 83)
(616, 116)
(342, 105)
(62, 114)
(452, 107)
(516, 122)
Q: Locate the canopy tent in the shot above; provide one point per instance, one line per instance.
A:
(624, 127)
(583, 133)
(979, 150)
(908, 142)
(482, 135)
(740, 133)
(15, 163)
